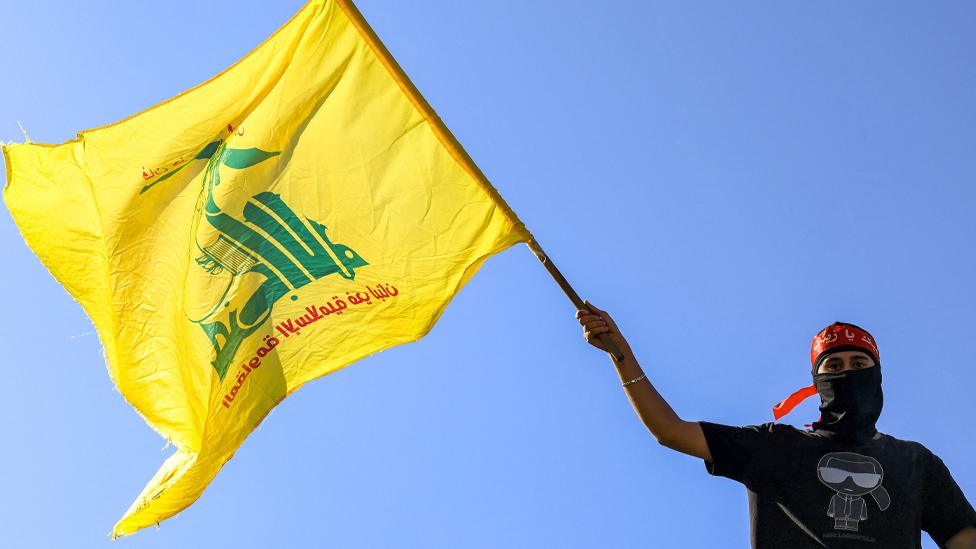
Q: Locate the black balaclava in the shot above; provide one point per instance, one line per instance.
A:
(850, 402)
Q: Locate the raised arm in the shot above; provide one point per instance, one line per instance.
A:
(669, 429)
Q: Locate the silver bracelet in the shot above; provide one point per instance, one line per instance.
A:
(635, 380)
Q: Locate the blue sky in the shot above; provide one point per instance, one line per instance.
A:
(724, 178)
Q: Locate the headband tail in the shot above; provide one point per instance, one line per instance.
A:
(791, 401)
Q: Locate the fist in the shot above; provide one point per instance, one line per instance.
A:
(595, 322)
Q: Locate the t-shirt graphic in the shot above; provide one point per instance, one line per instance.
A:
(851, 476)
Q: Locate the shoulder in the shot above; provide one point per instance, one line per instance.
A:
(759, 456)
(771, 427)
(771, 432)
(784, 431)
(909, 450)
(904, 445)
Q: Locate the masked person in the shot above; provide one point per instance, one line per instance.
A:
(841, 484)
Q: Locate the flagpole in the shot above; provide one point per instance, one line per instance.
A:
(608, 343)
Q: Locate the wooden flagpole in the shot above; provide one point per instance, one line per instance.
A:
(611, 347)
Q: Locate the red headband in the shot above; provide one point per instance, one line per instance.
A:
(839, 334)
(836, 335)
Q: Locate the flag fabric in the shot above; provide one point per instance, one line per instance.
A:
(301, 210)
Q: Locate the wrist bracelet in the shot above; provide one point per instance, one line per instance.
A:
(635, 380)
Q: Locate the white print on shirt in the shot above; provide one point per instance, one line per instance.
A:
(851, 476)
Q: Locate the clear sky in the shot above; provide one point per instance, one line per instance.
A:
(726, 178)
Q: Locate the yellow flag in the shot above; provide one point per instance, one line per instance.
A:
(301, 210)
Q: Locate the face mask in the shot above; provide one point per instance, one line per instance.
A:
(850, 402)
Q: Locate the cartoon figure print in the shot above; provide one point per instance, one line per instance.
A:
(851, 476)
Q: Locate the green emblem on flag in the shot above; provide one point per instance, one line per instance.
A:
(271, 240)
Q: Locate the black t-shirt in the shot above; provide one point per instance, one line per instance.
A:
(810, 490)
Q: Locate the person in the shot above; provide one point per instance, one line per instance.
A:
(841, 483)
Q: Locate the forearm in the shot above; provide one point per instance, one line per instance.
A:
(651, 408)
(655, 412)
(669, 429)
